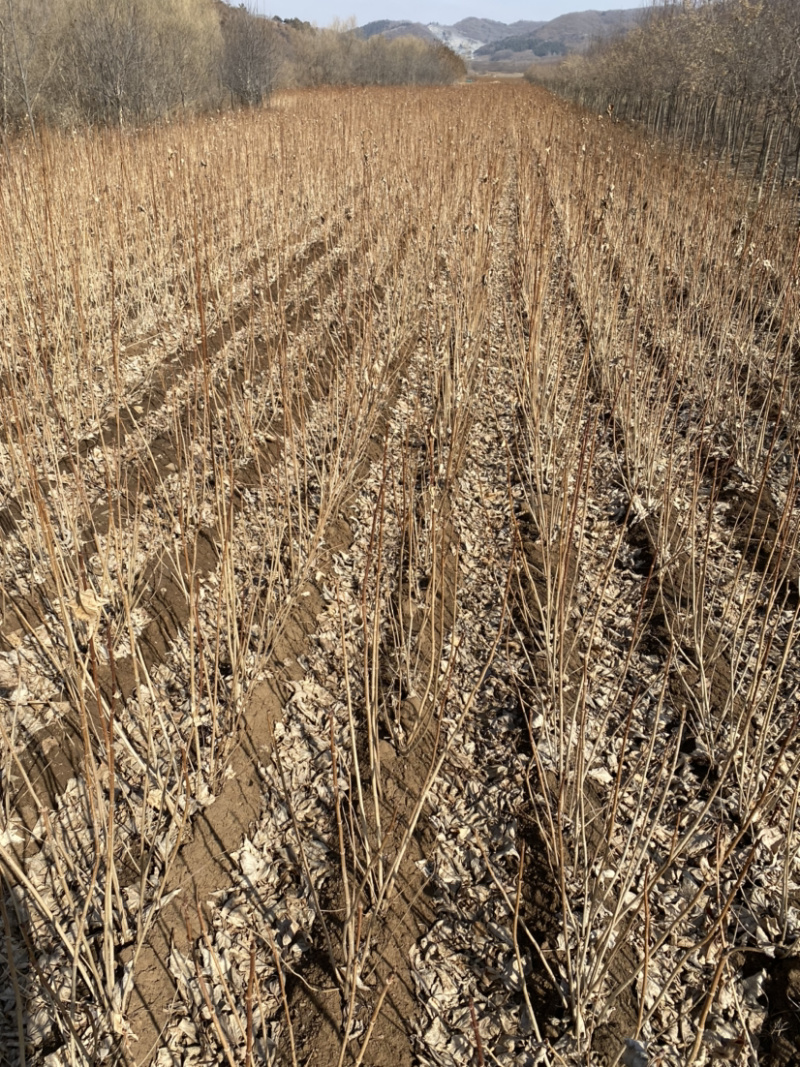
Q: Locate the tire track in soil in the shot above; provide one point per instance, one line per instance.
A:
(55, 754)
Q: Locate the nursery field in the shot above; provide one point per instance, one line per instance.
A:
(399, 592)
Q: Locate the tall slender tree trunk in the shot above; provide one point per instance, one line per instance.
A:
(769, 133)
(21, 68)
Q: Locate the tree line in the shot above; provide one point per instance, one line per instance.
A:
(724, 74)
(71, 62)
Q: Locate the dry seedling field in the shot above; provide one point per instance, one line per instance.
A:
(398, 593)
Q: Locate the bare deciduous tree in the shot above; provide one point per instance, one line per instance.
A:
(721, 73)
(28, 55)
(137, 58)
(119, 61)
(339, 56)
(252, 55)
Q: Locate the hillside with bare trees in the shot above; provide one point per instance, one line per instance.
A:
(70, 62)
(721, 74)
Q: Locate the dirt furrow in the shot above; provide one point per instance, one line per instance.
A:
(299, 252)
(204, 866)
(54, 754)
(221, 829)
(130, 421)
(403, 687)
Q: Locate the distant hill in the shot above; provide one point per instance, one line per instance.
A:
(488, 39)
(393, 28)
(567, 33)
(512, 45)
(488, 30)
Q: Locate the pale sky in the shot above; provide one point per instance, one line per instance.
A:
(323, 12)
